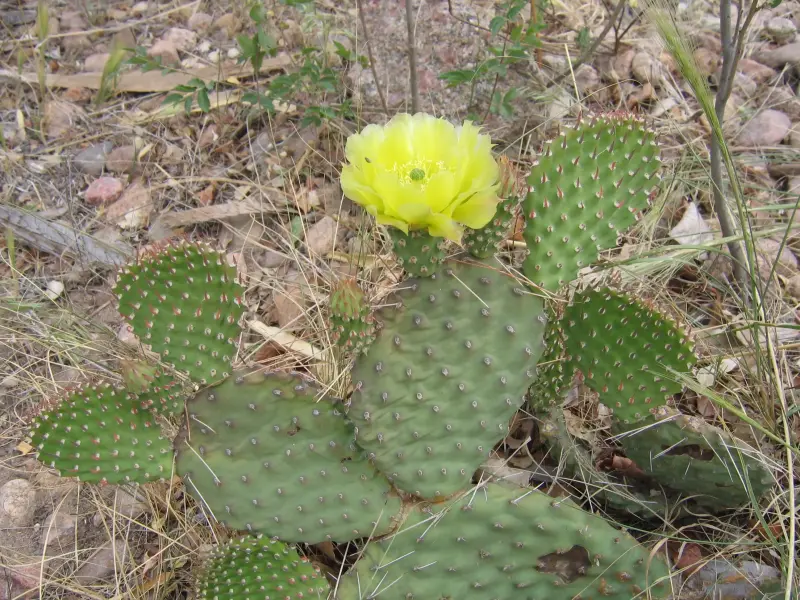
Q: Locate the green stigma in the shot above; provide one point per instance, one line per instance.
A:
(417, 174)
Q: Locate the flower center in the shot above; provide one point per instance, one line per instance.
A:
(417, 174)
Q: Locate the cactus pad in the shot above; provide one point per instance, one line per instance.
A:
(254, 567)
(99, 435)
(484, 242)
(158, 391)
(686, 454)
(624, 350)
(262, 454)
(352, 324)
(184, 301)
(453, 358)
(497, 543)
(586, 188)
(419, 253)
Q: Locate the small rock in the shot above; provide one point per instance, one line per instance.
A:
(122, 159)
(646, 69)
(58, 527)
(140, 8)
(745, 84)
(780, 29)
(587, 80)
(20, 582)
(768, 128)
(793, 287)
(227, 24)
(54, 289)
(181, 39)
(133, 209)
(166, 51)
(200, 21)
(106, 560)
(322, 235)
(91, 160)
(497, 469)
(756, 71)
(103, 190)
(793, 185)
(130, 505)
(72, 20)
(96, 62)
(292, 33)
(707, 61)
(777, 58)
(60, 117)
(621, 65)
(769, 252)
(783, 99)
(17, 503)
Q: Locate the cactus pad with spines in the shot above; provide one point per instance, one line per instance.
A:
(450, 366)
(264, 455)
(624, 349)
(586, 188)
(545, 391)
(99, 434)
(498, 543)
(351, 321)
(419, 253)
(688, 455)
(185, 302)
(158, 391)
(258, 568)
(484, 242)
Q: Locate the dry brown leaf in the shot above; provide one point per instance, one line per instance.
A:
(625, 466)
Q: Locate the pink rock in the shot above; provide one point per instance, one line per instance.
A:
(103, 190)
(767, 128)
(166, 51)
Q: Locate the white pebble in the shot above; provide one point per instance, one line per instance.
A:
(54, 289)
(233, 53)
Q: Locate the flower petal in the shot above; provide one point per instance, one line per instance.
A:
(357, 190)
(440, 190)
(443, 226)
(478, 210)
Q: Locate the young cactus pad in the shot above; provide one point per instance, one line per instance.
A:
(158, 391)
(185, 302)
(586, 188)
(263, 455)
(448, 369)
(625, 351)
(350, 317)
(687, 454)
(100, 435)
(419, 253)
(255, 567)
(502, 543)
(484, 242)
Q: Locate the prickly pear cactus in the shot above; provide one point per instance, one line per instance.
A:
(450, 366)
(351, 321)
(496, 542)
(587, 186)
(185, 302)
(99, 434)
(264, 455)
(418, 252)
(686, 454)
(624, 349)
(253, 567)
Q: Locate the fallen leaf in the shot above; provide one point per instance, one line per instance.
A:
(626, 467)
(206, 197)
(692, 229)
(687, 556)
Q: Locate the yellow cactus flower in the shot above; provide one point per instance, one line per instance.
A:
(420, 172)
